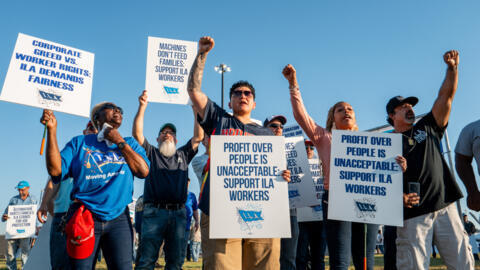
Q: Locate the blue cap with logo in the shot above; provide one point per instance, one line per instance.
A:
(22, 184)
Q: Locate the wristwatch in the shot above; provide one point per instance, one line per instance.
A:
(121, 145)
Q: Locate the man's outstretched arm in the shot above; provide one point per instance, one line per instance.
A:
(199, 99)
(443, 105)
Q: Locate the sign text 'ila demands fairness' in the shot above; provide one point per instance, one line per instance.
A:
(366, 183)
(248, 196)
(49, 75)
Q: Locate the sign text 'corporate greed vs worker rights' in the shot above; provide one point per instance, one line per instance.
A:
(248, 196)
(49, 75)
(168, 65)
(366, 183)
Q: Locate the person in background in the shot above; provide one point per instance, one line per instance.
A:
(23, 244)
(192, 211)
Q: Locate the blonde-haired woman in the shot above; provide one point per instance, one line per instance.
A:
(343, 238)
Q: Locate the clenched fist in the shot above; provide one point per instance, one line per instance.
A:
(290, 74)
(142, 99)
(205, 44)
(49, 119)
(451, 58)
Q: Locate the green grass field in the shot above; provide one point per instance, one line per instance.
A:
(435, 263)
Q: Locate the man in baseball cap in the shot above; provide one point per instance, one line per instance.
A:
(275, 124)
(399, 101)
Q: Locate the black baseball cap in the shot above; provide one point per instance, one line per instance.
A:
(399, 100)
(280, 118)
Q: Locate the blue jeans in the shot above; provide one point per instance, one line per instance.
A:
(311, 234)
(58, 247)
(185, 245)
(115, 239)
(195, 250)
(344, 236)
(159, 225)
(288, 247)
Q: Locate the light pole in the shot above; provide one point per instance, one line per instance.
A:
(222, 68)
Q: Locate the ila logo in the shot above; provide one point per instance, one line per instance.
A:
(170, 90)
(365, 208)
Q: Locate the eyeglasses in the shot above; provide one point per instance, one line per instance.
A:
(276, 126)
(167, 132)
(111, 107)
(239, 93)
(309, 147)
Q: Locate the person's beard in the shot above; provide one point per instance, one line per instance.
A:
(167, 148)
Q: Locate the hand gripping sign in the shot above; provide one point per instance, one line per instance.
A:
(366, 183)
(168, 65)
(248, 196)
(49, 75)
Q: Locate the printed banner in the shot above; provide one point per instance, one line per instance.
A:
(365, 180)
(292, 131)
(21, 221)
(301, 189)
(49, 75)
(314, 213)
(248, 196)
(168, 65)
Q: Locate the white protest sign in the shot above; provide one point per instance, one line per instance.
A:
(366, 183)
(39, 256)
(248, 196)
(168, 65)
(21, 221)
(313, 213)
(301, 189)
(292, 131)
(49, 75)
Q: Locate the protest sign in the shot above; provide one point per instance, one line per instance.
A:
(168, 65)
(313, 213)
(49, 75)
(301, 189)
(39, 256)
(292, 131)
(21, 221)
(366, 183)
(248, 196)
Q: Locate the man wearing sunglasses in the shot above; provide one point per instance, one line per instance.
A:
(165, 192)
(248, 254)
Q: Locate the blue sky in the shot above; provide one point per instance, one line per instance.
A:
(363, 52)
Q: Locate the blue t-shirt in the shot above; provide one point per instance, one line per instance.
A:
(102, 180)
(191, 205)
(217, 121)
(62, 201)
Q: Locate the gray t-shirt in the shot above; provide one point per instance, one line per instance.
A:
(468, 143)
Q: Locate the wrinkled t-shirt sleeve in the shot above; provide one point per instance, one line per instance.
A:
(465, 142)
(213, 114)
(188, 151)
(148, 148)
(139, 149)
(429, 120)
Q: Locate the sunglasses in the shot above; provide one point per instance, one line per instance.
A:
(276, 126)
(167, 132)
(309, 147)
(111, 107)
(239, 93)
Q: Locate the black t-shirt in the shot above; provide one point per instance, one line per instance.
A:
(217, 121)
(426, 165)
(168, 177)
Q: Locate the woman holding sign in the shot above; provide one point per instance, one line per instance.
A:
(343, 237)
(102, 167)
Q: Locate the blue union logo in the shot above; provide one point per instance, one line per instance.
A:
(249, 216)
(170, 90)
(365, 208)
(20, 231)
(293, 193)
(50, 96)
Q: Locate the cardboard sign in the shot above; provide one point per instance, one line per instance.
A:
(366, 183)
(39, 256)
(314, 213)
(293, 131)
(49, 75)
(168, 65)
(301, 189)
(248, 196)
(21, 221)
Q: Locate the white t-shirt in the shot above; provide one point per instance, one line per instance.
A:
(468, 143)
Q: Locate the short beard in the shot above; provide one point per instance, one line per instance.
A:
(168, 148)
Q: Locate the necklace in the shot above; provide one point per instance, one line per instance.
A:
(410, 139)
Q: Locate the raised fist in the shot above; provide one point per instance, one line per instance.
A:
(205, 44)
(290, 74)
(142, 99)
(451, 58)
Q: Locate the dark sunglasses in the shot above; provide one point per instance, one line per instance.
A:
(112, 107)
(309, 147)
(238, 93)
(276, 126)
(168, 132)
